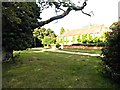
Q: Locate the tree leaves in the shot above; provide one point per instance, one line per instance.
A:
(18, 21)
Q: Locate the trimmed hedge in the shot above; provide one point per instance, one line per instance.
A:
(90, 44)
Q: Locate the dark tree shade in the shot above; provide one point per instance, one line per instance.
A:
(20, 18)
(18, 21)
(111, 53)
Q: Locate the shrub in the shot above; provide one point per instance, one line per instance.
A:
(111, 53)
(84, 38)
(78, 39)
(73, 39)
(90, 38)
(48, 40)
(58, 45)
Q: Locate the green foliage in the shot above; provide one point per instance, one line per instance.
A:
(73, 39)
(111, 53)
(96, 39)
(84, 38)
(44, 34)
(18, 21)
(62, 41)
(103, 37)
(66, 40)
(78, 38)
(62, 30)
(90, 38)
(48, 40)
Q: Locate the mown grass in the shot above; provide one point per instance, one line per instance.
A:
(83, 50)
(37, 69)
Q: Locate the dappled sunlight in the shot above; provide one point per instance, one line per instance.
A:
(37, 51)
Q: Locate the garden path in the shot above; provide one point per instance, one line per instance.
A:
(62, 51)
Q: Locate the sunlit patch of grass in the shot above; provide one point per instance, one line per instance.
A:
(54, 70)
(83, 50)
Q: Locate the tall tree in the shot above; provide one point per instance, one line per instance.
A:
(78, 39)
(42, 32)
(62, 30)
(20, 18)
(47, 40)
(18, 21)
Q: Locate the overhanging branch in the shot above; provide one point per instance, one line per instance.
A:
(70, 5)
(86, 13)
(42, 23)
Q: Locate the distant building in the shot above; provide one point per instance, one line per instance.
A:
(93, 30)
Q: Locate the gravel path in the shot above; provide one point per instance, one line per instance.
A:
(61, 51)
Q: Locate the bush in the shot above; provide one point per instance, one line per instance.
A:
(58, 45)
(111, 53)
(90, 44)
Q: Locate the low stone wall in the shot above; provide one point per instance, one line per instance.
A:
(84, 47)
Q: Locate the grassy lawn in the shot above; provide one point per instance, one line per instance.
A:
(37, 69)
(83, 50)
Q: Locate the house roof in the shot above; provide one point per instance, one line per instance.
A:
(89, 30)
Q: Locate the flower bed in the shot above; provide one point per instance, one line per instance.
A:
(84, 47)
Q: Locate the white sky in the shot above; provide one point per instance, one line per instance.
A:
(105, 12)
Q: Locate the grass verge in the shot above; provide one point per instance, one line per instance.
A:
(83, 50)
(37, 69)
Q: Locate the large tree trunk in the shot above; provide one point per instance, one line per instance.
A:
(7, 54)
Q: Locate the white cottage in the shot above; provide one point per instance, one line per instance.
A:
(93, 30)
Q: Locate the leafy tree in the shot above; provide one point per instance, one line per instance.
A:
(62, 41)
(96, 39)
(78, 38)
(66, 40)
(46, 41)
(62, 30)
(73, 39)
(18, 21)
(89, 38)
(39, 33)
(43, 32)
(103, 37)
(20, 18)
(111, 53)
(84, 38)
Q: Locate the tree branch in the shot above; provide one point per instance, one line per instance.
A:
(70, 5)
(86, 13)
(42, 23)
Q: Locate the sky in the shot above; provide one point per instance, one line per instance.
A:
(105, 12)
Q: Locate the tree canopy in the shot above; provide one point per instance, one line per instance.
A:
(20, 18)
(18, 21)
(42, 32)
(62, 30)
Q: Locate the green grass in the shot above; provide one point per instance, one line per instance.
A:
(37, 69)
(83, 50)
